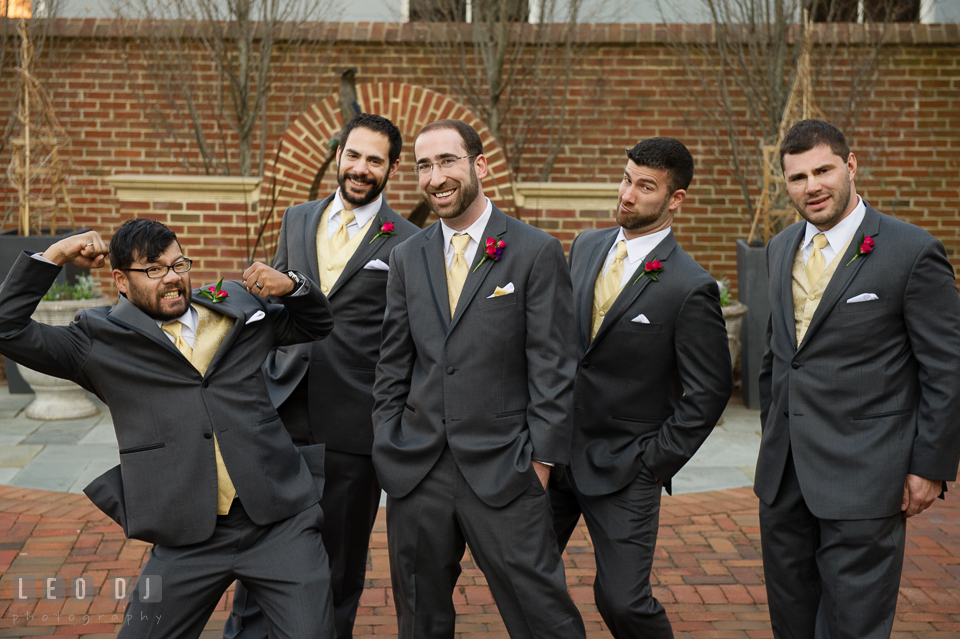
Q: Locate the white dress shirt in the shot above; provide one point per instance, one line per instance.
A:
(837, 237)
(189, 329)
(362, 215)
(475, 231)
(637, 249)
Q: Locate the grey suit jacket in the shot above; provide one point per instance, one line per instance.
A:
(645, 394)
(873, 391)
(341, 366)
(165, 413)
(494, 382)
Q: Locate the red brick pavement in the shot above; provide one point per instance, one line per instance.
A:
(707, 571)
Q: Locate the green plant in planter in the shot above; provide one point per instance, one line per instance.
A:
(724, 285)
(84, 289)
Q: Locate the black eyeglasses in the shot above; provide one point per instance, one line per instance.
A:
(159, 272)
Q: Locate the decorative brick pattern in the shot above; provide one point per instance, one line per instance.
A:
(628, 86)
(707, 571)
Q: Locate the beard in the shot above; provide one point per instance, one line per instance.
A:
(461, 201)
(150, 300)
(355, 200)
(637, 220)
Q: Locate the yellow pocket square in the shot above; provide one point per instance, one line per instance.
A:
(506, 290)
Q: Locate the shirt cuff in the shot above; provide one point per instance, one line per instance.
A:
(550, 464)
(40, 258)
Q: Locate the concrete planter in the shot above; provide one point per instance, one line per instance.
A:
(733, 315)
(59, 398)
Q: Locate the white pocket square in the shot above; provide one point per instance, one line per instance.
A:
(864, 297)
(506, 290)
(256, 317)
(640, 319)
(377, 265)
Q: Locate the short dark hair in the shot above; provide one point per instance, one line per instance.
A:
(667, 154)
(808, 134)
(377, 124)
(469, 135)
(139, 238)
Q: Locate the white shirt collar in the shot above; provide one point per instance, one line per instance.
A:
(639, 247)
(840, 234)
(475, 230)
(361, 214)
(188, 319)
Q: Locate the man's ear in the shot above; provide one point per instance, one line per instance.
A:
(677, 199)
(480, 165)
(120, 279)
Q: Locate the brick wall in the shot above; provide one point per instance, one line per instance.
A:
(629, 86)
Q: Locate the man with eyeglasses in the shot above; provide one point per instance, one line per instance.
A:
(473, 402)
(324, 390)
(207, 472)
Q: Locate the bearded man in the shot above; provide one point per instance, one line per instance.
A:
(473, 402)
(324, 390)
(654, 376)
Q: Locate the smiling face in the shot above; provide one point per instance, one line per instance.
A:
(164, 299)
(646, 204)
(363, 166)
(820, 183)
(453, 194)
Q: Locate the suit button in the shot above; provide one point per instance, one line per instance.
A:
(796, 365)
(451, 370)
(602, 313)
(205, 383)
(208, 435)
(786, 414)
(443, 421)
(585, 364)
(305, 358)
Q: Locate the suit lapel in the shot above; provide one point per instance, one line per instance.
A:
(786, 282)
(435, 267)
(311, 226)
(496, 226)
(368, 246)
(845, 273)
(588, 284)
(636, 285)
(127, 314)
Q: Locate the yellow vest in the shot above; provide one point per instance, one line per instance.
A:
(331, 266)
(212, 328)
(600, 307)
(807, 295)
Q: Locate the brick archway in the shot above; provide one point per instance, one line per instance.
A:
(410, 107)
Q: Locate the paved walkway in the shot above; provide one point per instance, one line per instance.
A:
(707, 569)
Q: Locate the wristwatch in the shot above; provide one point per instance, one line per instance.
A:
(297, 281)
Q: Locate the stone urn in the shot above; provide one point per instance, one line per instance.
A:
(733, 315)
(59, 398)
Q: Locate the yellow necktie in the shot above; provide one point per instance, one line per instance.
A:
(340, 236)
(815, 263)
(607, 288)
(458, 271)
(225, 490)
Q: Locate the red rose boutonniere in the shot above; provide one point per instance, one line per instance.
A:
(213, 293)
(651, 269)
(866, 246)
(386, 230)
(493, 250)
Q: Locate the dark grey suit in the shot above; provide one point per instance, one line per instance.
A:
(324, 392)
(462, 407)
(870, 395)
(646, 397)
(165, 413)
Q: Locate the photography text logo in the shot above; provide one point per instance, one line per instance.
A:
(83, 588)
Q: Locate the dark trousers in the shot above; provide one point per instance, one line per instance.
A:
(514, 546)
(283, 563)
(827, 578)
(351, 498)
(623, 527)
